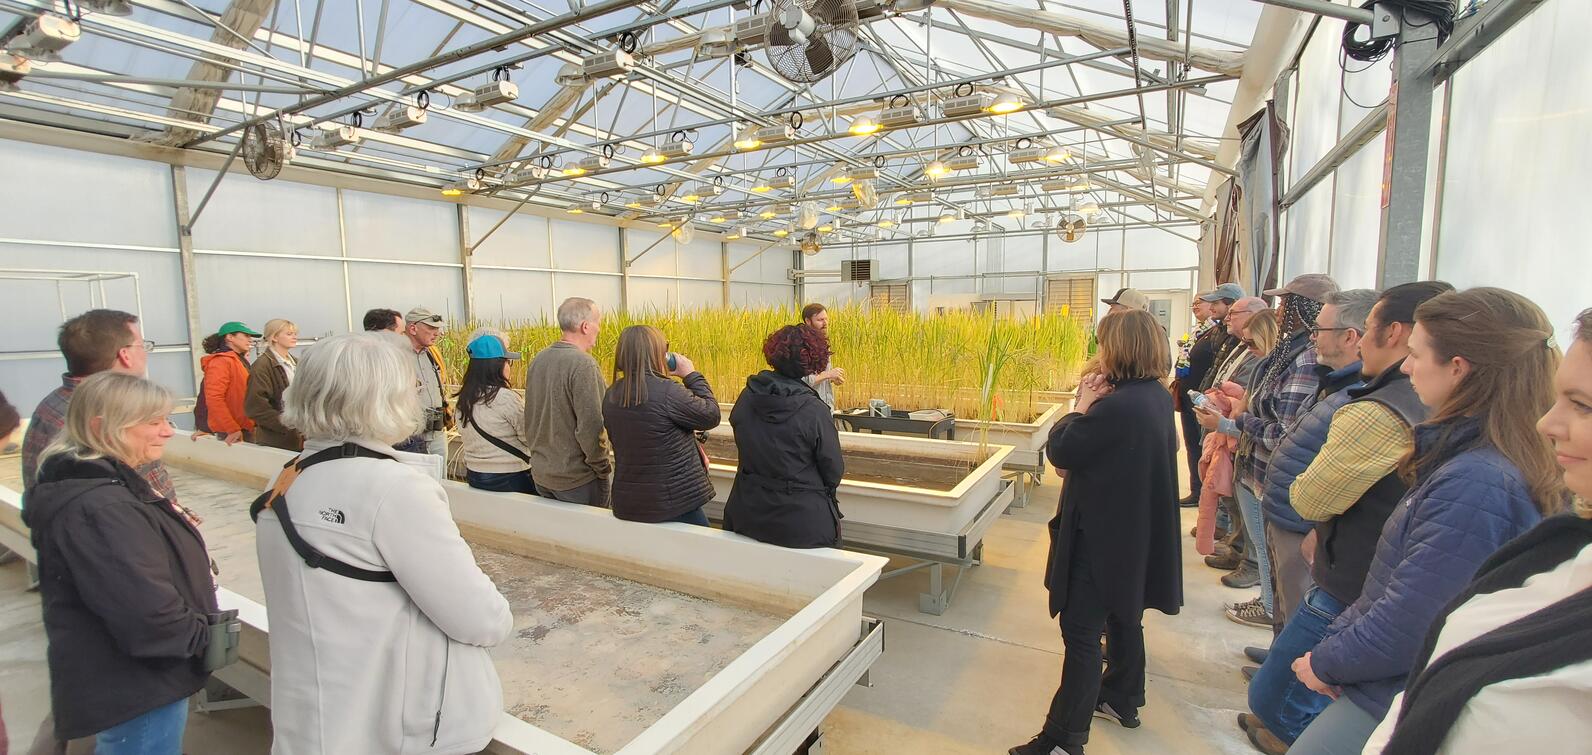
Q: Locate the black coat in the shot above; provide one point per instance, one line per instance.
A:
(126, 586)
(1120, 495)
(658, 470)
(790, 465)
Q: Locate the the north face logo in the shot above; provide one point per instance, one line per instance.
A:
(332, 515)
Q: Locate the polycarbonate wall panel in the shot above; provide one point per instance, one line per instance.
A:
(35, 313)
(701, 258)
(511, 295)
(1314, 120)
(1514, 192)
(652, 295)
(521, 242)
(84, 197)
(700, 295)
(754, 295)
(1154, 248)
(399, 228)
(585, 246)
(656, 256)
(248, 215)
(308, 292)
(1308, 233)
(1357, 219)
(770, 266)
(603, 289)
(401, 287)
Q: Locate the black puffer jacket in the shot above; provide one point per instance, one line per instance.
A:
(126, 585)
(790, 465)
(658, 471)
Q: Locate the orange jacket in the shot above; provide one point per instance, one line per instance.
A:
(226, 385)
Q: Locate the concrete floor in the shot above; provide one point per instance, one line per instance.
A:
(977, 679)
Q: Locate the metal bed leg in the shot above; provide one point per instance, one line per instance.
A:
(936, 600)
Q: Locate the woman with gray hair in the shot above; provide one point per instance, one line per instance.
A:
(381, 645)
(124, 575)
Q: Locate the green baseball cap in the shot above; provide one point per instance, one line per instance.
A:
(236, 327)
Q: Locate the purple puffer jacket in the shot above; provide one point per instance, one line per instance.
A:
(1464, 506)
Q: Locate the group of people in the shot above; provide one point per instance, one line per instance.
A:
(1404, 474)
(127, 585)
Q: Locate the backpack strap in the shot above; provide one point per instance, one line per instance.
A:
(275, 499)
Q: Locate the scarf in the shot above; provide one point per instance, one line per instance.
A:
(1550, 638)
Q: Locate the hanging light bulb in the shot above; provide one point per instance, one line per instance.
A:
(1057, 155)
(768, 213)
(935, 169)
(652, 156)
(762, 187)
(1005, 103)
(886, 223)
(1017, 213)
(862, 125)
(782, 232)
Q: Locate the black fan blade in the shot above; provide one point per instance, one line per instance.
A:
(819, 57)
(778, 36)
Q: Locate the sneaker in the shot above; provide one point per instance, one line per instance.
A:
(1192, 501)
(1251, 613)
(1126, 720)
(1267, 742)
(1043, 745)
(1255, 654)
(1243, 577)
(1225, 560)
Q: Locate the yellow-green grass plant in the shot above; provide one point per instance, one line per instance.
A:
(977, 366)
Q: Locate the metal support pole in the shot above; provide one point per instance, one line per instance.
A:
(624, 270)
(724, 270)
(1324, 8)
(186, 222)
(1400, 255)
(342, 250)
(190, 278)
(466, 258)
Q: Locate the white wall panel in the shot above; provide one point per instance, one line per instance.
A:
(836, 294)
(653, 295)
(752, 295)
(1357, 218)
(586, 246)
(769, 267)
(400, 287)
(658, 260)
(399, 228)
(1514, 193)
(1305, 245)
(159, 280)
(1315, 116)
(308, 292)
(700, 295)
(521, 242)
(248, 215)
(1155, 248)
(81, 196)
(513, 295)
(699, 259)
(603, 289)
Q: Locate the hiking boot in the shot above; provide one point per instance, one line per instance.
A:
(1043, 745)
(1226, 560)
(1267, 742)
(1192, 501)
(1250, 612)
(1247, 721)
(1126, 720)
(1245, 576)
(1258, 655)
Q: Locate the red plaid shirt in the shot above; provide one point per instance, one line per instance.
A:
(49, 418)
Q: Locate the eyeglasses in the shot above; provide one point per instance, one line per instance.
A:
(1318, 331)
(146, 345)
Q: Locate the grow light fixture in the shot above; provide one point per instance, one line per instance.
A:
(1066, 184)
(584, 166)
(1006, 103)
(1001, 190)
(43, 38)
(886, 223)
(865, 173)
(337, 136)
(459, 187)
(604, 64)
(782, 232)
(777, 182)
(950, 217)
(776, 134)
(825, 228)
(936, 169)
(701, 192)
(12, 70)
(678, 147)
(399, 117)
(487, 95)
(1057, 155)
(841, 178)
(964, 162)
(862, 125)
(735, 233)
(748, 140)
(972, 104)
(897, 117)
(1018, 213)
(652, 156)
(1089, 208)
(907, 200)
(526, 175)
(1027, 155)
(724, 216)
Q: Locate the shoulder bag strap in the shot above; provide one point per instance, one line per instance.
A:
(501, 444)
(276, 500)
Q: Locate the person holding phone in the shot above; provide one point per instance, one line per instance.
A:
(660, 470)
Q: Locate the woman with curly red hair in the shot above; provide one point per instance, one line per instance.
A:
(789, 452)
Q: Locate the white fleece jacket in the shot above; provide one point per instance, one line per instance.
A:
(379, 667)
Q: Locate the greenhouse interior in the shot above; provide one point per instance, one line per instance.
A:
(795, 376)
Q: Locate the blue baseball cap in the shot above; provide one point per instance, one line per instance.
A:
(490, 347)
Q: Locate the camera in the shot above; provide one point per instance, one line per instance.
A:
(434, 420)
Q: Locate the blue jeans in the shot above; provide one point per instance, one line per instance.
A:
(1282, 702)
(695, 516)
(158, 732)
(501, 482)
(1255, 530)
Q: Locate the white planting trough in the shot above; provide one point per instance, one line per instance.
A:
(767, 699)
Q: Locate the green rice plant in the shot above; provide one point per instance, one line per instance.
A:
(973, 365)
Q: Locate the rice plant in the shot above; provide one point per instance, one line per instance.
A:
(973, 365)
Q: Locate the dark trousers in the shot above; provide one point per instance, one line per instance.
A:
(1191, 446)
(1083, 685)
(594, 493)
(695, 516)
(501, 482)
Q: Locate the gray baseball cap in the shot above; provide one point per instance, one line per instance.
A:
(1225, 291)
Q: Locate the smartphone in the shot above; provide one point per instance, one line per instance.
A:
(672, 362)
(1198, 399)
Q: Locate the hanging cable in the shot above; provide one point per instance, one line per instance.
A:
(1371, 50)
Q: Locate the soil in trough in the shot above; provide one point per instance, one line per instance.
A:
(888, 469)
